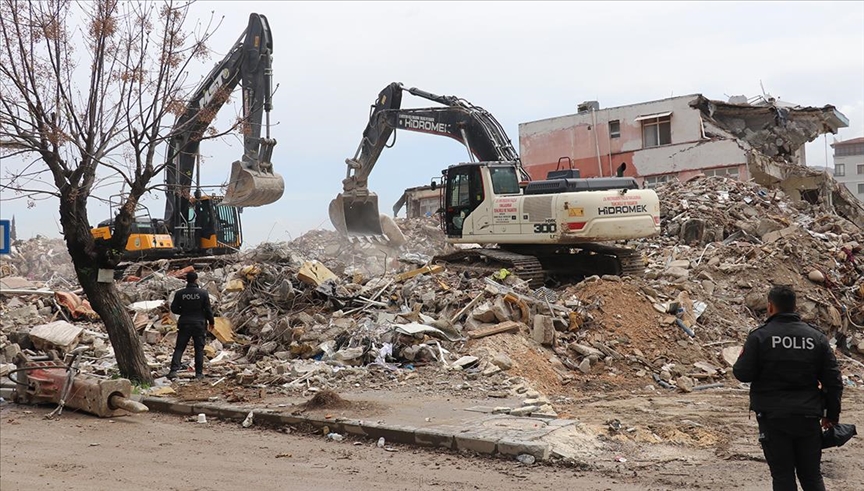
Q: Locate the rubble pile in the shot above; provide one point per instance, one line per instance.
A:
(731, 240)
(39, 259)
(321, 312)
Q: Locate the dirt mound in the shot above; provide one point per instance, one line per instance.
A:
(327, 399)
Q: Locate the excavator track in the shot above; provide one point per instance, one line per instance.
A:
(490, 260)
(630, 261)
(591, 259)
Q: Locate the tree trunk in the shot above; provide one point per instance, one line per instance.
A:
(105, 300)
(104, 297)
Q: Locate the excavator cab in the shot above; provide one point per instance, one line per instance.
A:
(212, 226)
(463, 192)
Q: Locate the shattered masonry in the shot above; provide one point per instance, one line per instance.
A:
(321, 313)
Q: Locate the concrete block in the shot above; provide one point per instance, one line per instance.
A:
(391, 433)
(233, 413)
(353, 428)
(543, 331)
(286, 419)
(177, 408)
(476, 443)
(501, 310)
(523, 411)
(60, 334)
(434, 438)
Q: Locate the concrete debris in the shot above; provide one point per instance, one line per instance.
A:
(56, 335)
(323, 313)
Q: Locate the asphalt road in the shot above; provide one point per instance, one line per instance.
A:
(162, 452)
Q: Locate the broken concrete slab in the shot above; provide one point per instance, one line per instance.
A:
(59, 334)
(543, 331)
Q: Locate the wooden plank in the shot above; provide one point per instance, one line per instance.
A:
(314, 273)
(508, 326)
(414, 272)
(223, 330)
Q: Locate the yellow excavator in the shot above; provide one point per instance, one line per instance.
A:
(197, 223)
(537, 229)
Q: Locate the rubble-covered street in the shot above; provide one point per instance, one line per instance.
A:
(642, 364)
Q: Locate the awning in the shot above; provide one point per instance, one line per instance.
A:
(654, 116)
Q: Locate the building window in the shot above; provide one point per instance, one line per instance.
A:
(730, 172)
(848, 150)
(860, 169)
(614, 129)
(653, 181)
(861, 189)
(656, 132)
(839, 170)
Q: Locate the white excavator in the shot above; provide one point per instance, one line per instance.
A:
(560, 226)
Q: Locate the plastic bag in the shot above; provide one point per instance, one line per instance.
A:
(838, 435)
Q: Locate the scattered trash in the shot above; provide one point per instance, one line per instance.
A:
(525, 458)
(322, 314)
(249, 419)
(202, 418)
(335, 437)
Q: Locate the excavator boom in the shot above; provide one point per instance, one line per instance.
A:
(252, 180)
(354, 212)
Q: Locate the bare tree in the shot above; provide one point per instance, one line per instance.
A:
(88, 91)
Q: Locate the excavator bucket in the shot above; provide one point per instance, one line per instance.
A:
(357, 216)
(249, 187)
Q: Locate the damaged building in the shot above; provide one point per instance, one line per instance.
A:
(678, 138)
(849, 165)
(419, 201)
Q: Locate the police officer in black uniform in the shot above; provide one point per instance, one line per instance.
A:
(794, 381)
(192, 304)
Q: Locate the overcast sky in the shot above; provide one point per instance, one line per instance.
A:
(522, 61)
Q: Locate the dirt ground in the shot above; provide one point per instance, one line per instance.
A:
(662, 442)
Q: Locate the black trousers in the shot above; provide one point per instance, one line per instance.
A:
(793, 445)
(196, 332)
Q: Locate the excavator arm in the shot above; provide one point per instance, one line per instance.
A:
(354, 212)
(252, 181)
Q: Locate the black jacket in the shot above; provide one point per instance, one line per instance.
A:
(785, 360)
(192, 304)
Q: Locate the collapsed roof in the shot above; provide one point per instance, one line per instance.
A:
(772, 132)
(773, 128)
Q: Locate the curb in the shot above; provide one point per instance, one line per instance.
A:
(477, 440)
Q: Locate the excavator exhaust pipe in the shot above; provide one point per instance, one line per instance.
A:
(248, 187)
(357, 218)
